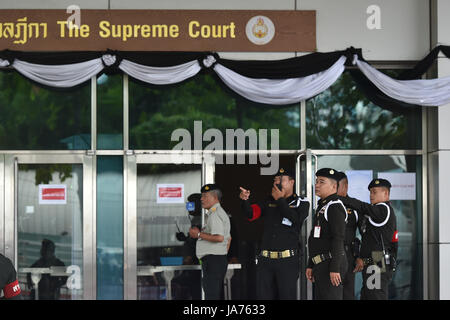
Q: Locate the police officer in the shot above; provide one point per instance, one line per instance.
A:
(351, 243)
(327, 262)
(379, 240)
(8, 279)
(283, 213)
(213, 242)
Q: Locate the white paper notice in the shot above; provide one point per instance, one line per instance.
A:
(170, 193)
(52, 194)
(403, 184)
(358, 181)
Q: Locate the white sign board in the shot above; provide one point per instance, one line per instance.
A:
(52, 194)
(170, 193)
(403, 184)
(358, 181)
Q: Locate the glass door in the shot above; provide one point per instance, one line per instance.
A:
(164, 265)
(48, 234)
(404, 171)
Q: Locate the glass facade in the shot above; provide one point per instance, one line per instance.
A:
(109, 112)
(50, 224)
(342, 117)
(406, 282)
(156, 112)
(109, 228)
(36, 118)
(162, 232)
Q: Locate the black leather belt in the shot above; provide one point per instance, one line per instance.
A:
(321, 258)
(277, 254)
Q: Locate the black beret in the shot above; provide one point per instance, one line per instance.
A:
(341, 175)
(284, 172)
(328, 173)
(379, 183)
(209, 187)
(194, 197)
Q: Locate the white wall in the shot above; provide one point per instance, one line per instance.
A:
(404, 33)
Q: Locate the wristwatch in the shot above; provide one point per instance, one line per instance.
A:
(198, 235)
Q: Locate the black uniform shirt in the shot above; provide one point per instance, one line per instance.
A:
(8, 279)
(332, 232)
(381, 224)
(353, 222)
(283, 219)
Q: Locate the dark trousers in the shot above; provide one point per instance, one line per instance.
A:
(278, 278)
(214, 268)
(323, 288)
(375, 285)
(349, 277)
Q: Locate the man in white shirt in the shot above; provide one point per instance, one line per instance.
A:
(213, 242)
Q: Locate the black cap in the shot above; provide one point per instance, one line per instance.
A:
(209, 187)
(341, 175)
(284, 172)
(328, 173)
(379, 183)
(194, 197)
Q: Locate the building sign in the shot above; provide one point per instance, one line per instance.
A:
(170, 193)
(52, 194)
(403, 184)
(158, 30)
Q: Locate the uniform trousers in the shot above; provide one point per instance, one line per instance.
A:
(277, 278)
(214, 268)
(375, 284)
(323, 288)
(349, 277)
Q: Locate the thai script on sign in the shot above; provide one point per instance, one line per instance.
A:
(22, 30)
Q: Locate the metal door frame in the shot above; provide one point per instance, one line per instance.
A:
(9, 169)
(131, 160)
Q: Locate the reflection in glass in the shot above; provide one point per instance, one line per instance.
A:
(50, 230)
(407, 280)
(155, 112)
(343, 118)
(110, 227)
(162, 213)
(36, 118)
(109, 112)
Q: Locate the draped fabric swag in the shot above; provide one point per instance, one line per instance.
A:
(277, 82)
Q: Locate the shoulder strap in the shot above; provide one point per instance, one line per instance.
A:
(325, 214)
(387, 216)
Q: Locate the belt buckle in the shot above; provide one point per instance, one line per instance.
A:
(317, 259)
(287, 253)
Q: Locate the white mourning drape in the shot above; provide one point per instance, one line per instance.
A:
(161, 75)
(61, 76)
(284, 91)
(430, 92)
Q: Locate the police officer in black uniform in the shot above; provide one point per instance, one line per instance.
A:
(8, 279)
(351, 242)
(327, 263)
(278, 261)
(379, 240)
